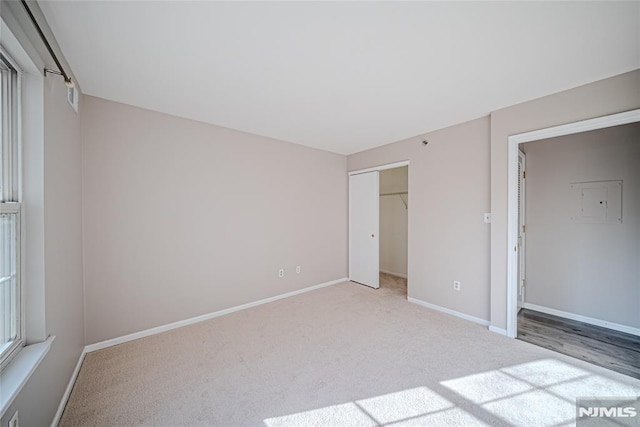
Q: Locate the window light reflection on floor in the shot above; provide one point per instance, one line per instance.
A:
(539, 393)
(417, 406)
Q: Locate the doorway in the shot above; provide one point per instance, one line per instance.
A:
(378, 227)
(581, 250)
(512, 203)
(583, 214)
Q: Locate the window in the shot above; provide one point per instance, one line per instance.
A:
(11, 320)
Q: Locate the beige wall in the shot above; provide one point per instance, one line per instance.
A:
(609, 96)
(52, 211)
(590, 269)
(449, 186)
(393, 221)
(183, 218)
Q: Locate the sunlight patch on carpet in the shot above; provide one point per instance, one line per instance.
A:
(346, 414)
(540, 393)
(417, 406)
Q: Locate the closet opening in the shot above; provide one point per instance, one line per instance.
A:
(394, 215)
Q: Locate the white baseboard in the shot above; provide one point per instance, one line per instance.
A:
(393, 273)
(67, 392)
(108, 343)
(498, 330)
(197, 319)
(449, 311)
(590, 320)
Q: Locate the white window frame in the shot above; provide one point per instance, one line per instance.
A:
(37, 341)
(10, 196)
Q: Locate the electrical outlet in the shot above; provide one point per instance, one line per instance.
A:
(298, 269)
(281, 272)
(456, 285)
(13, 422)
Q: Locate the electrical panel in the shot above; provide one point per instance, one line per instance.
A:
(596, 202)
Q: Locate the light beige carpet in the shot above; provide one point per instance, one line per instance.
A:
(339, 356)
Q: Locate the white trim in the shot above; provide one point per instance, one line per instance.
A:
(159, 329)
(512, 192)
(10, 207)
(393, 273)
(67, 392)
(449, 311)
(18, 372)
(618, 119)
(512, 238)
(30, 185)
(381, 167)
(7, 57)
(349, 223)
(498, 330)
(590, 320)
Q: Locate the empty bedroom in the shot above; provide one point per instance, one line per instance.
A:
(205, 216)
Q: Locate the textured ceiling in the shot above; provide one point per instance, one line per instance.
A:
(340, 76)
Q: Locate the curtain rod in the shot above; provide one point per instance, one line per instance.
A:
(67, 79)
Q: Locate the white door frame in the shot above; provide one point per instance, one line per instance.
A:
(512, 196)
(371, 169)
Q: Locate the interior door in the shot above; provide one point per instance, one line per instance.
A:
(522, 228)
(364, 218)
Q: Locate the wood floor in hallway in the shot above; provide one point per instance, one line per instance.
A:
(604, 347)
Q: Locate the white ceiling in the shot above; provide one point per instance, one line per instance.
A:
(340, 76)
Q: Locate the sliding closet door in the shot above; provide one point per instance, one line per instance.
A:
(364, 217)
